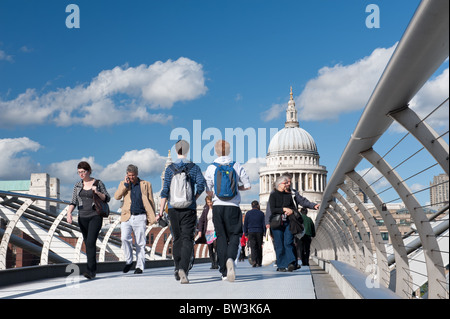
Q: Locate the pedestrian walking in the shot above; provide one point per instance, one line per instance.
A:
(138, 211)
(281, 207)
(298, 201)
(89, 221)
(242, 251)
(304, 203)
(183, 184)
(206, 232)
(254, 229)
(305, 241)
(225, 179)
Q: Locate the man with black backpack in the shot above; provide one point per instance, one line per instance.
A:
(183, 184)
(223, 178)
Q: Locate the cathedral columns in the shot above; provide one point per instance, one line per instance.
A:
(303, 182)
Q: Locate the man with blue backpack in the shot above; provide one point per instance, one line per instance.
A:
(183, 184)
(224, 179)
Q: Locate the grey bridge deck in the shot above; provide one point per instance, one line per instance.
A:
(159, 283)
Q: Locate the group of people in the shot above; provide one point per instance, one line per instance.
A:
(292, 231)
(220, 225)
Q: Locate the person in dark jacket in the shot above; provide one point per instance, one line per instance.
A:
(254, 229)
(298, 201)
(182, 220)
(305, 242)
(304, 203)
(207, 233)
(281, 207)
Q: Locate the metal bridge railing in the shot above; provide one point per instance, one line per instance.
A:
(50, 239)
(349, 230)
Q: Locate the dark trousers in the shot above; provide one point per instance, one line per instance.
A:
(182, 223)
(90, 228)
(213, 253)
(297, 250)
(305, 249)
(228, 225)
(256, 241)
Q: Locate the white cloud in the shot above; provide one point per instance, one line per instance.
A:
(16, 164)
(417, 187)
(347, 88)
(432, 94)
(66, 171)
(374, 177)
(338, 89)
(148, 161)
(250, 195)
(26, 49)
(274, 112)
(252, 167)
(14, 160)
(4, 56)
(342, 88)
(123, 94)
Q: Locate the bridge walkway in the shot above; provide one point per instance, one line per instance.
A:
(159, 283)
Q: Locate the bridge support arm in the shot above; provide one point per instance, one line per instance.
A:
(433, 258)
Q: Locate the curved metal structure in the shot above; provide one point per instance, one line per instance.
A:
(346, 230)
(421, 51)
(51, 232)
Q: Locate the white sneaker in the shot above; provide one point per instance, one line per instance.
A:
(224, 278)
(183, 277)
(231, 275)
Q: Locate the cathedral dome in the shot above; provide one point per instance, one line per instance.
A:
(293, 151)
(292, 140)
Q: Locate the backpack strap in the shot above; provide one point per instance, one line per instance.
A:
(189, 166)
(219, 165)
(173, 168)
(186, 168)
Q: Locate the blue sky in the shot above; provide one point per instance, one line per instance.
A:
(113, 90)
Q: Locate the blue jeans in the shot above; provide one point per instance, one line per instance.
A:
(284, 245)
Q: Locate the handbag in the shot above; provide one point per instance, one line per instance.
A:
(268, 254)
(276, 221)
(101, 207)
(163, 221)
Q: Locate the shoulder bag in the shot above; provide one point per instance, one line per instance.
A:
(276, 221)
(101, 207)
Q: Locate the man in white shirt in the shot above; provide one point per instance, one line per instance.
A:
(227, 215)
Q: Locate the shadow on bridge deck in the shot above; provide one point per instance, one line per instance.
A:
(159, 283)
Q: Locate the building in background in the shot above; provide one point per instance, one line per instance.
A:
(439, 191)
(293, 150)
(39, 184)
(358, 192)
